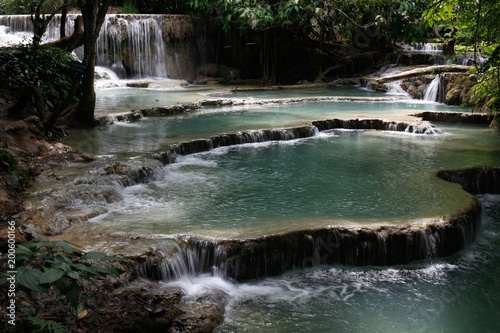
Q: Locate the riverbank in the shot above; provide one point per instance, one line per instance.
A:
(138, 307)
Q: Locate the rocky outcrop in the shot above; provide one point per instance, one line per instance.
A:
(209, 72)
(417, 86)
(458, 88)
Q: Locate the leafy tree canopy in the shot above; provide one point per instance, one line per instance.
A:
(399, 19)
(473, 24)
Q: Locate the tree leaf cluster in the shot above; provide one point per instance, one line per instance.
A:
(45, 265)
(402, 19)
(45, 67)
(473, 24)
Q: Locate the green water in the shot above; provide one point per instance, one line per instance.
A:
(126, 99)
(336, 177)
(152, 134)
(456, 294)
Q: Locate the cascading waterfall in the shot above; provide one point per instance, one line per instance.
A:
(285, 134)
(136, 37)
(435, 91)
(475, 180)
(131, 45)
(275, 254)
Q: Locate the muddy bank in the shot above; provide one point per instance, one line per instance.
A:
(24, 155)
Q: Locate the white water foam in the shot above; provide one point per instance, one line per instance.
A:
(432, 91)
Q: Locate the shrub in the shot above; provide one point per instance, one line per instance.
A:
(45, 264)
(46, 67)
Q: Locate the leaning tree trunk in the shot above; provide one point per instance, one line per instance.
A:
(93, 13)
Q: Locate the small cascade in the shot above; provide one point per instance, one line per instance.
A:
(377, 124)
(231, 139)
(469, 60)
(426, 47)
(275, 254)
(435, 91)
(421, 54)
(293, 133)
(191, 259)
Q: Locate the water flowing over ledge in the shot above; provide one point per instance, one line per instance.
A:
(292, 133)
(244, 259)
(377, 124)
(275, 254)
(474, 180)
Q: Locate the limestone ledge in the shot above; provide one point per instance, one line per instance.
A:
(457, 117)
(381, 244)
(175, 109)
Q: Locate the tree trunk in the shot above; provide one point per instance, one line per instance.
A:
(69, 43)
(64, 13)
(93, 13)
(424, 71)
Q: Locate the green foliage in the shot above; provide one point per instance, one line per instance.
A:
(487, 92)
(13, 7)
(8, 162)
(474, 24)
(42, 324)
(57, 264)
(127, 8)
(46, 67)
(16, 7)
(402, 18)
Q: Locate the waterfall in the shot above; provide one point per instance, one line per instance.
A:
(244, 259)
(377, 124)
(133, 46)
(435, 90)
(427, 47)
(136, 39)
(224, 140)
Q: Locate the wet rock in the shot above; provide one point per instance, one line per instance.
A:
(117, 168)
(458, 86)
(218, 73)
(495, 123)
